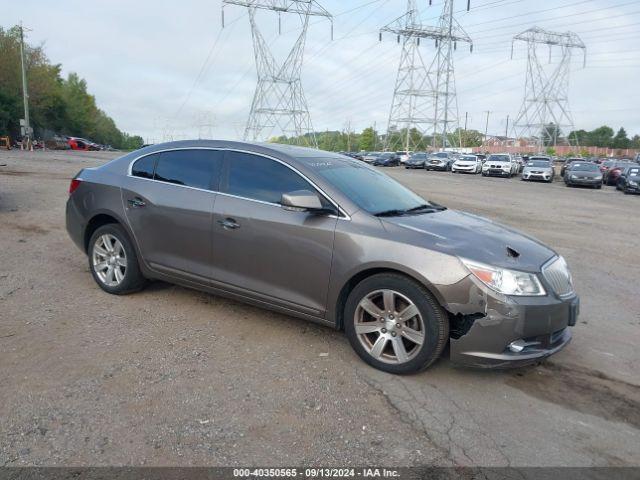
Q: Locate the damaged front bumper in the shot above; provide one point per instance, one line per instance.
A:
(492, 330)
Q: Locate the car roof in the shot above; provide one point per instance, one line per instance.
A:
(300, 157)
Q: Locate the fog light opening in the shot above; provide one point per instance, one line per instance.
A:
(518, 346)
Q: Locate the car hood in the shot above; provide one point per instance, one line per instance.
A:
(472, 237)
(499, 163)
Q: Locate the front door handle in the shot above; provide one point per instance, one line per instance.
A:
(136, 202)
(229, 224)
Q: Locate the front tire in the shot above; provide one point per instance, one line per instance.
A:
(113, 261)
(395, 324)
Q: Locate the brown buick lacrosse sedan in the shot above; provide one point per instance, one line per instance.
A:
(326, 238)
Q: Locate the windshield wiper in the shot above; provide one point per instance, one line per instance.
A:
(427, 208)
(424, 208)
(391, 213)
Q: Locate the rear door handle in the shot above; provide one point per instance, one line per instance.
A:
(229, 224)
(136, 202)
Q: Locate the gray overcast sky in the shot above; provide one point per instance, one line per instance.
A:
(165, 67)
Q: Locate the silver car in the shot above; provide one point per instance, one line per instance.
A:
(329, 239)
(539, 168)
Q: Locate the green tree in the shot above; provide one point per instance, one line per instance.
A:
(56, 105)
(621, 140)
(469, 138)
(368, 139)
(601, 137)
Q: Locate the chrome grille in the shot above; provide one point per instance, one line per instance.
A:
(557, 274)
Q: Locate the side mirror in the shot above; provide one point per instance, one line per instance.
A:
(301, 200)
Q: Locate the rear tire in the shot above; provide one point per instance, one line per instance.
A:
(408, 348)
(113, 261)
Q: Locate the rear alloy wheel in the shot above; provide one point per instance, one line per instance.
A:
(113, 261)
(395, 324)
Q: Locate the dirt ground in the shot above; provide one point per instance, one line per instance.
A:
(172, 376)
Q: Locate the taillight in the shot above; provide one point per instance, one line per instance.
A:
(75, 183)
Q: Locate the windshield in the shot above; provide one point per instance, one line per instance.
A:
(418, 156)
(585, 167)
(467, 158)
(371, 190)
(386, 155)
(538, 163)
(441, 154)
(499, 158)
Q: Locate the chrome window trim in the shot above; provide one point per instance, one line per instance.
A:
(343, 214)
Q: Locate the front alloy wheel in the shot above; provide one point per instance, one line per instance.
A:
(395, 324)
(389, 326)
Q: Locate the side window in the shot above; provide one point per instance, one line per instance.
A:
(191, 168)
(259, 178)
(144, 167)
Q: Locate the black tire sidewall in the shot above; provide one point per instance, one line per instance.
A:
(435, 320)
(133, 278)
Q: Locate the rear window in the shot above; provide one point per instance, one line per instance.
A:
(190, 168)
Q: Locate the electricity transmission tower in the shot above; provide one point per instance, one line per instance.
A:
(545, 109)
(424, 98)
(279, 103)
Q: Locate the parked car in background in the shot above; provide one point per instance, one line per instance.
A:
(76, 143)
(481, 156)
(583, 174)
(467, 164)
(386, 159)
(416, 160)
(539, 168)
(568, 162)
(369, 157)
(607, 164)
(629, 180)
(611, 176)
(520, 161)
(404, 156)
(441, 161)
(500, 165)
(356, 155)
(328, 239)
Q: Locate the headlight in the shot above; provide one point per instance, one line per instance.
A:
(507, 282)
(599, 177)
(574, 177)
(632, 183)
(506, 167)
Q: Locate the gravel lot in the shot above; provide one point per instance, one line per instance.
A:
(172, 376)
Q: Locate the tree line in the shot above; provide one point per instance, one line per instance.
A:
(370, 140)
(57, 105)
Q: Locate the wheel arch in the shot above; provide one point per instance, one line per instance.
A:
(361, 275)
(101, 218)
